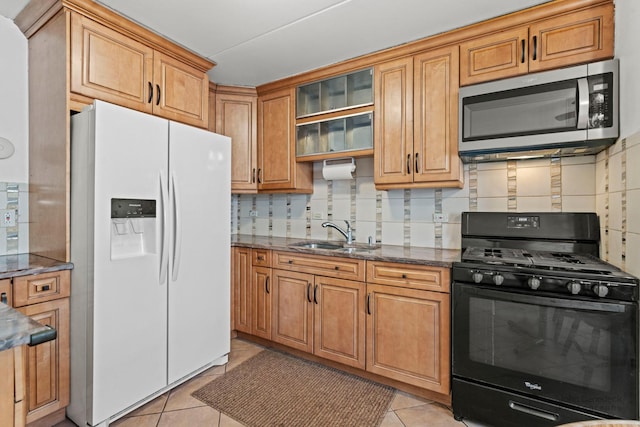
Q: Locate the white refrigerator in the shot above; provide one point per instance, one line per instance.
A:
(150, 244)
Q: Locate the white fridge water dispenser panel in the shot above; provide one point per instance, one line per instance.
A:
(133, 228)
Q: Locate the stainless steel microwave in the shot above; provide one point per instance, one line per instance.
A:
(566, 112)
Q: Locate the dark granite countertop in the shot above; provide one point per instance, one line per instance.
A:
(17, 329)
(25, 264)
(391, 253)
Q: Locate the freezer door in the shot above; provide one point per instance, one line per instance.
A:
(129, 297)
(199, 261)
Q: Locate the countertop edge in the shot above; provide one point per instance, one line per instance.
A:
(389, 253)
(28, 264)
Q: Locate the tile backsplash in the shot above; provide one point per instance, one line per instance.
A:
(15, 239)
(608, 184)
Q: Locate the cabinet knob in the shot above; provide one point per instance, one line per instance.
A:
(336, 267)
(290, 261)
(404, 276)
(260, 257)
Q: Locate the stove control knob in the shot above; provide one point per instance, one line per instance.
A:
(498, 279)
(601, 290)
(574, 287)
(534, 283)
(477, 277)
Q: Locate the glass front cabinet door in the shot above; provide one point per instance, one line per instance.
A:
(335, 115)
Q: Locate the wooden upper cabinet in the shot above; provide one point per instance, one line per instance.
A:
(578, 37)
(435, 118)
(181, 92)
(110, 66)
(572, 38)
(393, 125)
(494, 56)
(277, 167)
(237, 117)
(415, 125)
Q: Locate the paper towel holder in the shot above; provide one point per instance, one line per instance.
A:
(341, 168)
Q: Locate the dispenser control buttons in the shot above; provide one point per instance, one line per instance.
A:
(133, 208)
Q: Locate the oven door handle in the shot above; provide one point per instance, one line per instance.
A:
(559, 302)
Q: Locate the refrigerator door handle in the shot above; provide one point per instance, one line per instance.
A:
(177, 229)
(164, 258)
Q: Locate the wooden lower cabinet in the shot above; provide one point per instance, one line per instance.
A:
(47, 364)
(45, 298)
(320, 315)
(396, 325)
(339, 321)
(241, 289)
(408, 336)
(251, 290)
(12, 402)
(292, 310)
(261, 302)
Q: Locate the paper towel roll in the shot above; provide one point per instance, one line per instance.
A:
(338, 170)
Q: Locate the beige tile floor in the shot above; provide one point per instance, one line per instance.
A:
(177, 408)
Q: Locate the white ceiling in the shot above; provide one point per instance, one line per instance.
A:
(259, 41)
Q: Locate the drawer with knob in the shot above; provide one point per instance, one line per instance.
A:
(261, 257)
(342, 268)
(34, 289)
(425, 277)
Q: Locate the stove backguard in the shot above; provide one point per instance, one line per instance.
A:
(577, 232)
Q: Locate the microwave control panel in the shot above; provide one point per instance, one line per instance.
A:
(600, 101)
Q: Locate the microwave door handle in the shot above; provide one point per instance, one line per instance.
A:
(583, 103)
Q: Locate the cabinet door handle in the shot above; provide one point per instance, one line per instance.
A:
(260, 257)
(253, 176)
(535, 47)
(290, 261)
(266, 285)
(315, 294)
(522, 46)
(369, 304)
(408, 164)
(158, 95)
(3, 298)
(309, 291)
(417, 169)
(150, 93)
(259, 176)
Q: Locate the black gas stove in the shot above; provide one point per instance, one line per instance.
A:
(544, 332)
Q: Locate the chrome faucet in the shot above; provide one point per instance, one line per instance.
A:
(348, 234)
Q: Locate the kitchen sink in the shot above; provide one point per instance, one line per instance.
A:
(335, 246)
(318, 245)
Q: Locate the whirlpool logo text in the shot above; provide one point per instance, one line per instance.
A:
(532, 386)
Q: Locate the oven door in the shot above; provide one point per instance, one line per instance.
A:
(580, 353)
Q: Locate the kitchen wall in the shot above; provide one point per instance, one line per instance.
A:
(406, 217)
(14, 173)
